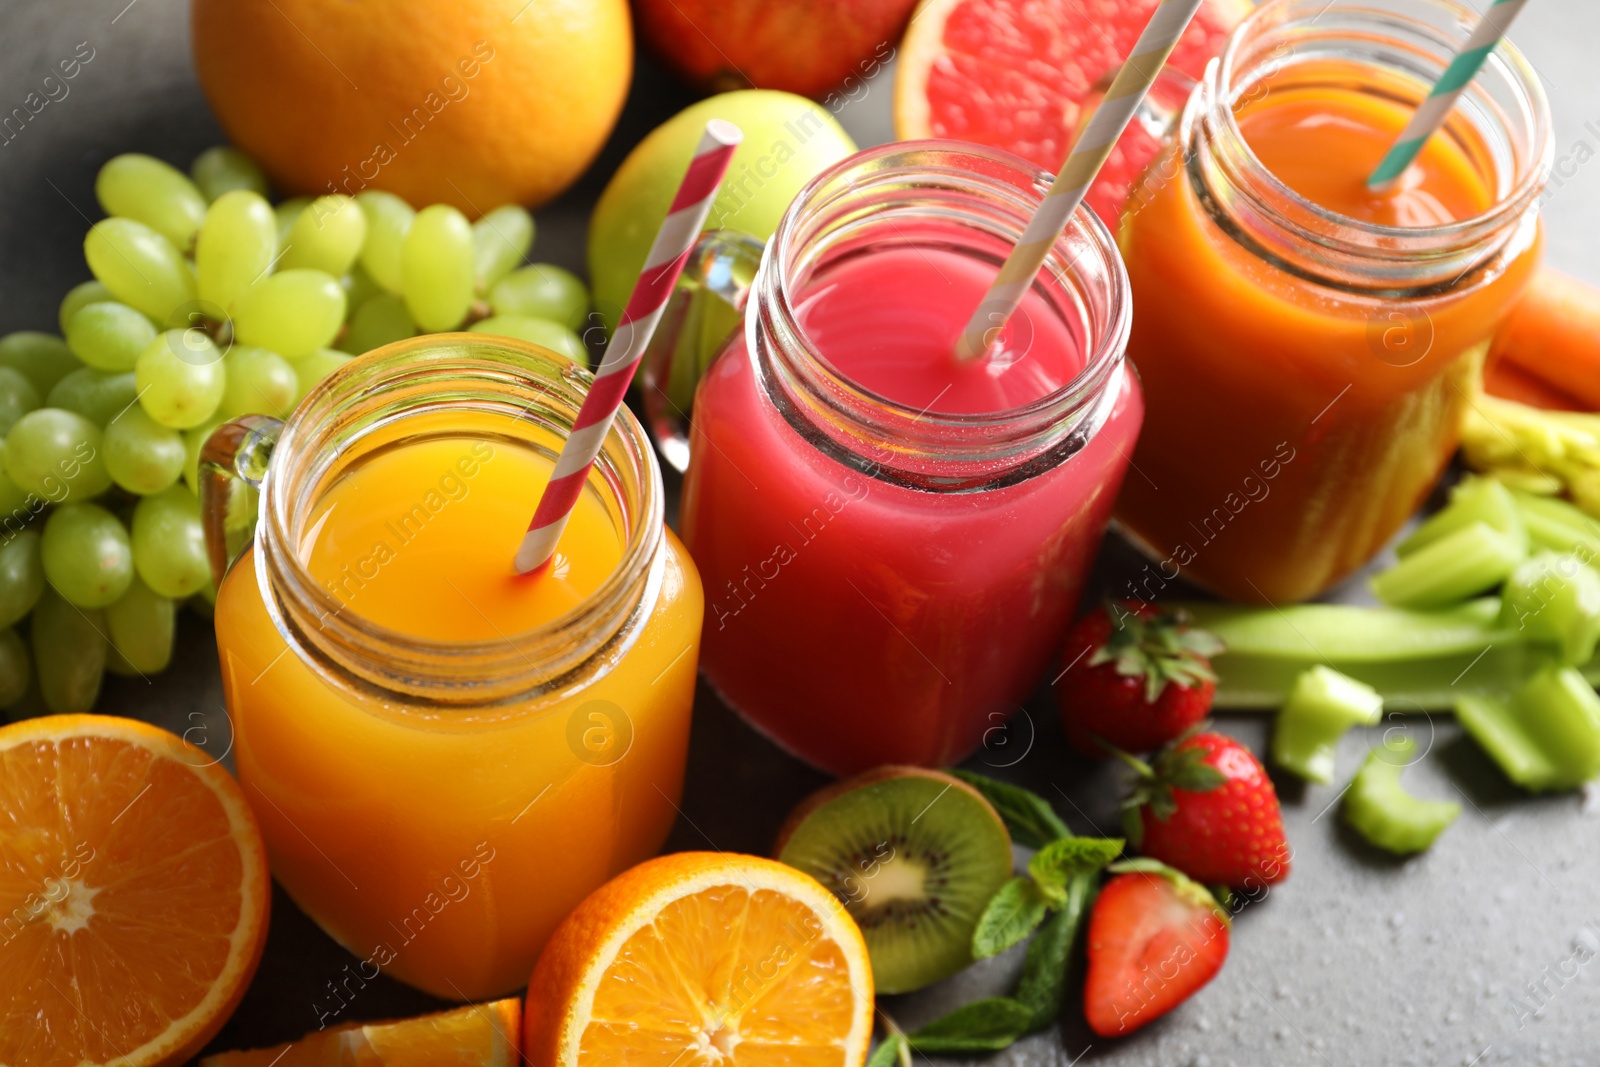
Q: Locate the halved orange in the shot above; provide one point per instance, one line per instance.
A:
(703, 959)
(133, 894)
(479, 1035)
(1014, 74)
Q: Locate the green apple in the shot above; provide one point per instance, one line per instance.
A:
(788, 140)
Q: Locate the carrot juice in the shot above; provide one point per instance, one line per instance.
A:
(438, 831)
(1307, 345)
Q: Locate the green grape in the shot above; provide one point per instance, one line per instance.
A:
(96, 395)
(293, 312)
(327, 236)
(193, 441)
(315, 367)
(142, 455)
(500, 241)
(81, 295)
(86, 555)
(285, 212)
(358, 288)
(139, 266)
(259, 382)
(17, 505)
(204, 602)
(551, 335)
(142, 188)
(109, 336)
(180, 378)
(436, 268)
(379, 321)
(21, 576)
(388, 220)
(17, 397)
(69, 654)
(141, 626)
(236, 246)
(542, 291)
(15, 670)
(220, 170)
(169, 543)
(56, 456)
(43, 358)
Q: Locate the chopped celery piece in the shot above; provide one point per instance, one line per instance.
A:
(1321, 707)
(1458, 565)
(1546, 736)
(1344, 633)
(1474, 500)
(1555, 524)
(1380, 809)
(1555, 598)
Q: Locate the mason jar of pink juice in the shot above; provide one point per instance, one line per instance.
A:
(893, 541)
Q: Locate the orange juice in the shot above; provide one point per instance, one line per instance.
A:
(1306, 345)
(438, 831)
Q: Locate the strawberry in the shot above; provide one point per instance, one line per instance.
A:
(1206, 806)
(1155, 937)
(1137, 678)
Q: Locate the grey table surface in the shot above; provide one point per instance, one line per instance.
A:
(1479, 951)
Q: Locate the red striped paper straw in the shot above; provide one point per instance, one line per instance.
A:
(667, 256)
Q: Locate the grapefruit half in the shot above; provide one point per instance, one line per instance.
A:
(1014, 74)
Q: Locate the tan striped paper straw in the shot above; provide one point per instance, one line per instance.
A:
(1089, 152)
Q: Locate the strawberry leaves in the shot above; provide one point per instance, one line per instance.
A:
(1160, 648)
(1175, 767)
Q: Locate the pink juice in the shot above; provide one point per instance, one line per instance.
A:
(858, 620)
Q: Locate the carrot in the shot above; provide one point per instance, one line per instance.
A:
(1553, 333)
(1510, 382)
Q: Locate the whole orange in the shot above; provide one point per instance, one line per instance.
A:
(474, 103)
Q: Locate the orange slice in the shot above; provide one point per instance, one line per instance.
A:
(703, 959)
(133, 894)
(480, 1035)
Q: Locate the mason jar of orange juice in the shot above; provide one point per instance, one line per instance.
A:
(1307, 345)
(446, 757)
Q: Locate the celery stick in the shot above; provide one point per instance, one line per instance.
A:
(1544, 737)
(1380, 809)
(1555, 599)
(1555, 524)
(1473, 500)
(1313, 633)
(1473, 559)
(1322, 705)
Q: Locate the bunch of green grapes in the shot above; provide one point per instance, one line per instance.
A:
(208, 302)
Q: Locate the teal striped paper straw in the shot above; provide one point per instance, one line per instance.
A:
(1436, 108)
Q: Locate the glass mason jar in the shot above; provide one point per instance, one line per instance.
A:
(885, 582)
(438, 806)
(1306, 371)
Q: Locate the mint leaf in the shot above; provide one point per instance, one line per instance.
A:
(1060, 861)
(1011, 915)
(1027, 815)
(891, 1052)
(982, 1026)
(1042, 986)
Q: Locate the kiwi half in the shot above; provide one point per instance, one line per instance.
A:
(914, 855)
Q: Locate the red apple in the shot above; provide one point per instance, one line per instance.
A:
(808, 47)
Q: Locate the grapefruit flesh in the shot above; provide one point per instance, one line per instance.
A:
(1014, 74)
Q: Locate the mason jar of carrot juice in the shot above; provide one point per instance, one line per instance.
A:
(446, 757)
(1307, 345)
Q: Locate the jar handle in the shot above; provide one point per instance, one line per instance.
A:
(233, 468)
(705, 310)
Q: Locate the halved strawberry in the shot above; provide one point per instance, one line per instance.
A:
(1155, 937)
